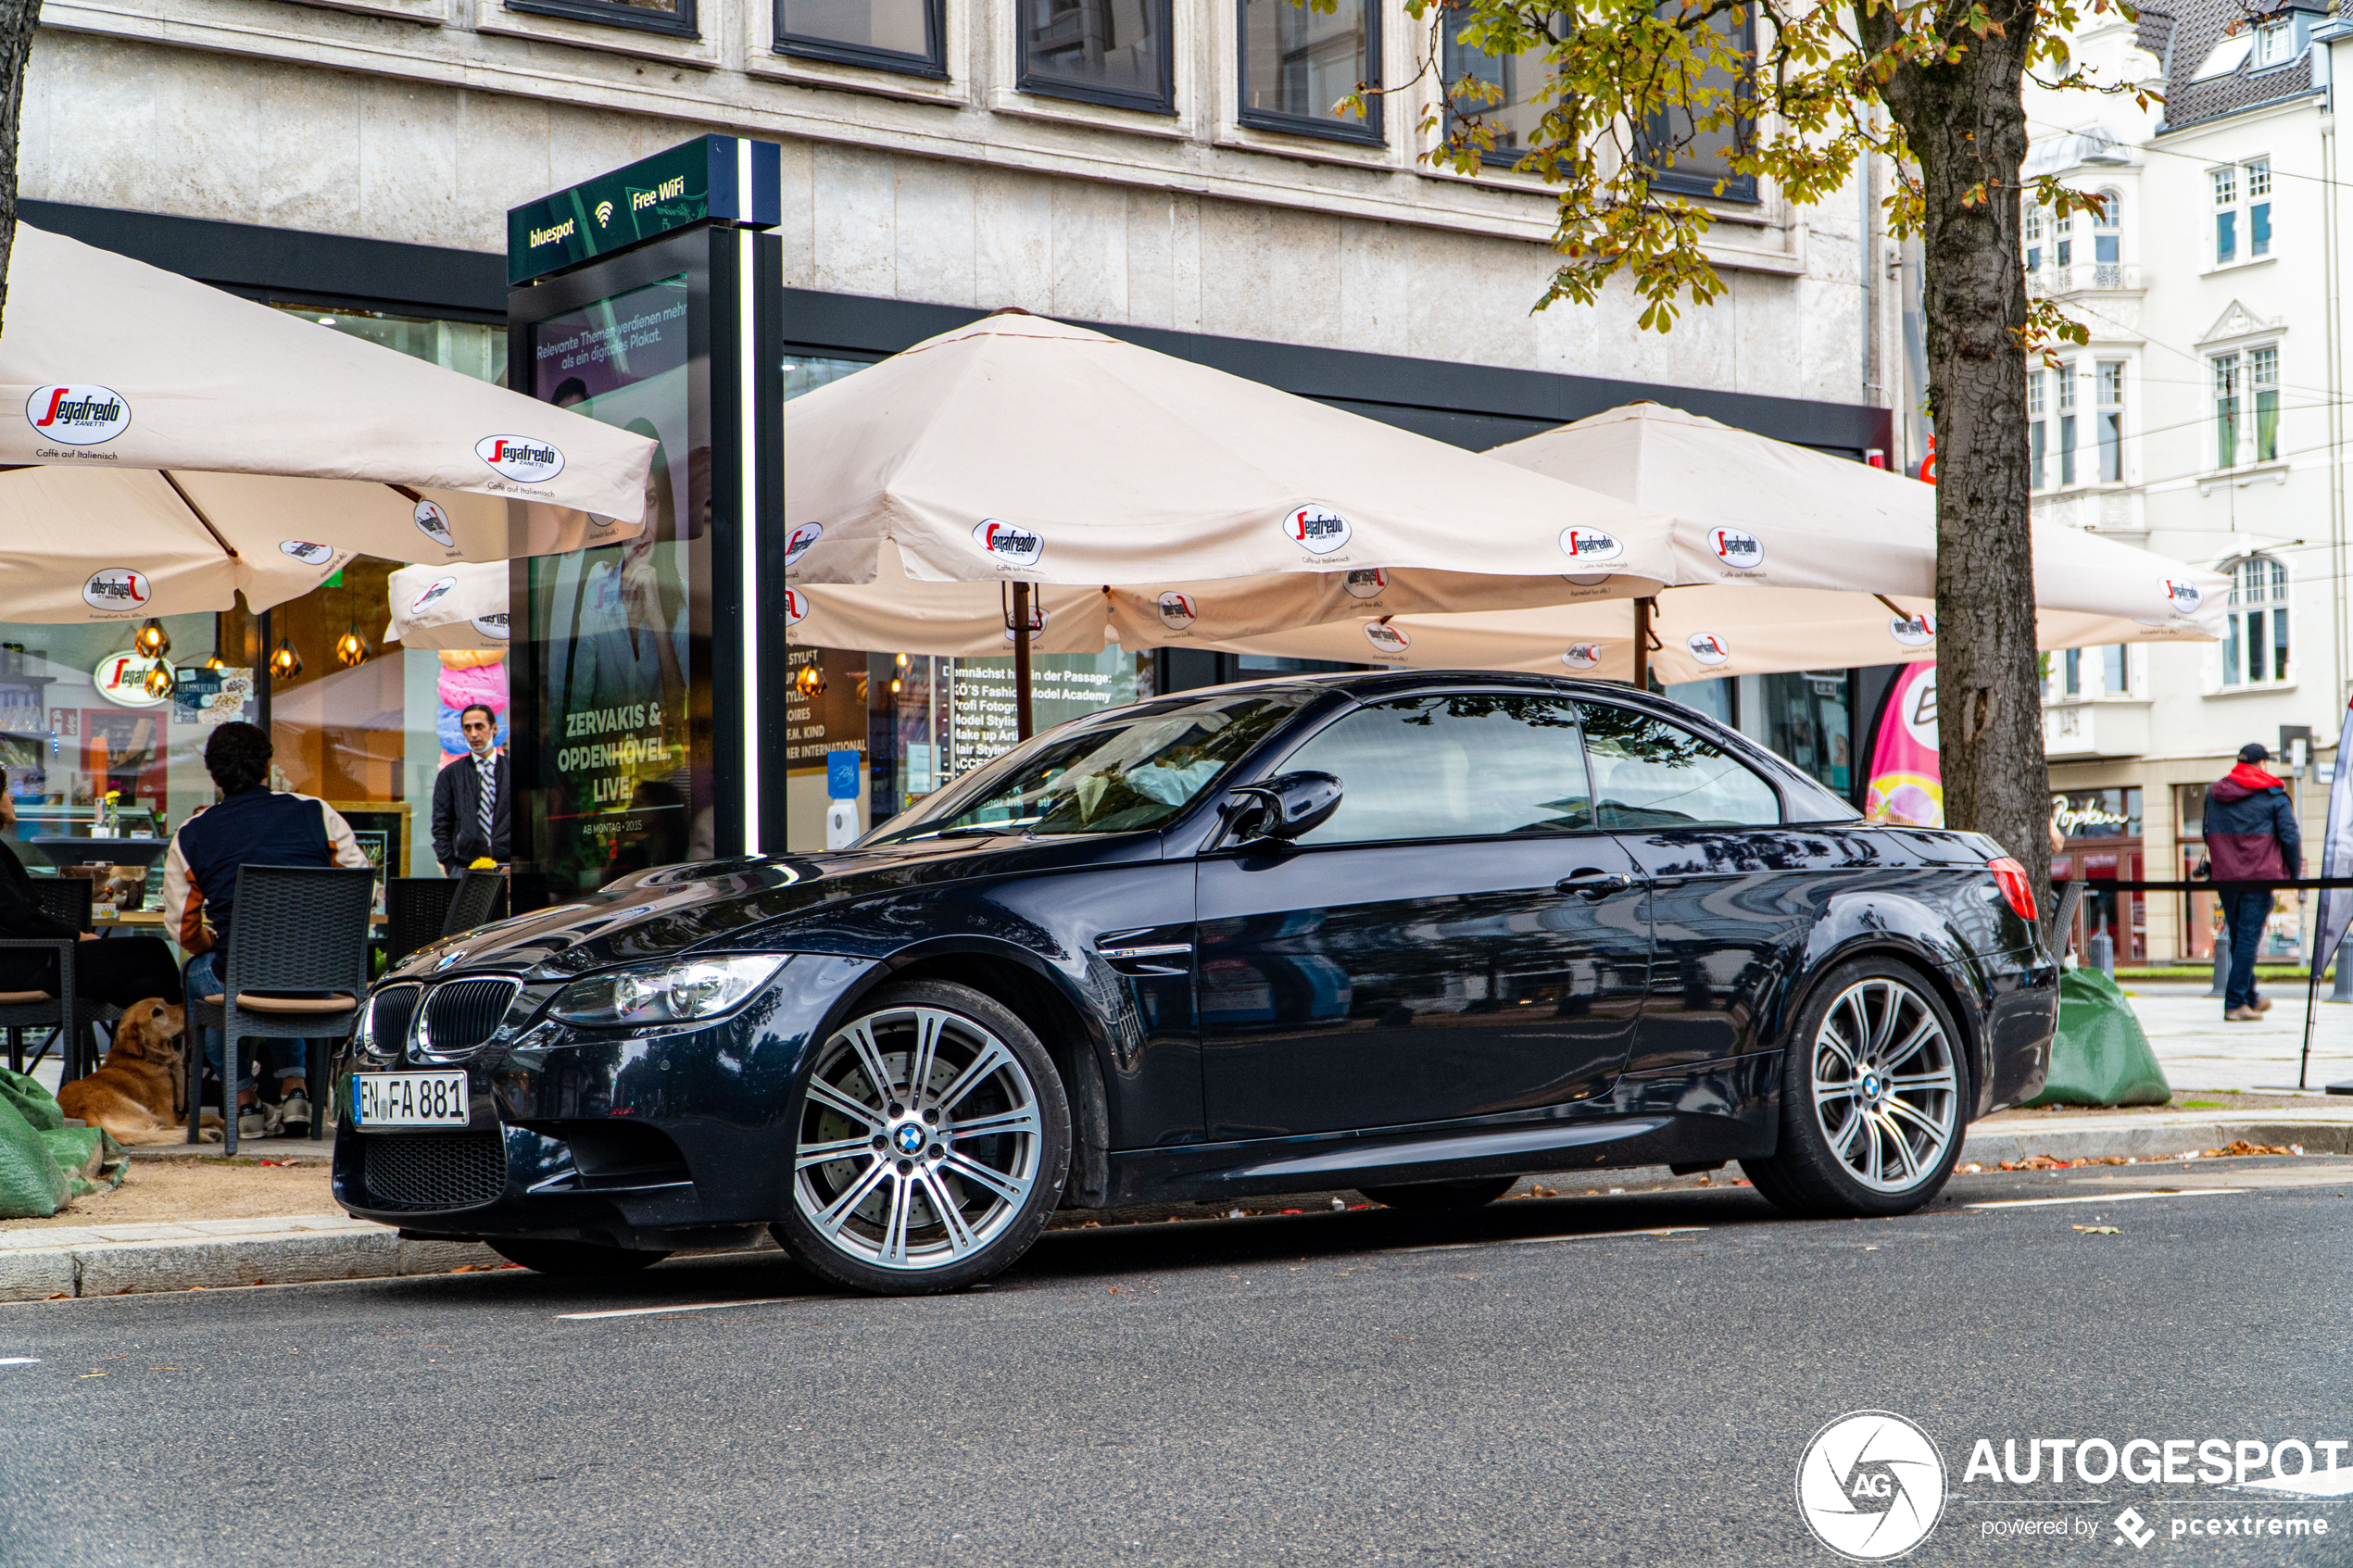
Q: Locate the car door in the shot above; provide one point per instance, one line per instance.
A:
(1732, 894)
(1459, 939)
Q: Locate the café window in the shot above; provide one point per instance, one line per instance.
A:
(674, 17)
(1686, 157)
(2255, 633)
(1298, 62)
(906, 36)
(1495, 94)
(1116, 52)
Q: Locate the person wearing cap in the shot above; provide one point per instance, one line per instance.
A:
(2250, 837)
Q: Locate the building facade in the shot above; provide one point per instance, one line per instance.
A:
(1167, 169)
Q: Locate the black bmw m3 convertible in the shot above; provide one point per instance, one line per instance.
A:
(1410, 933)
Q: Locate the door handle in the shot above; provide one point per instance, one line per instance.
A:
(1590, 881)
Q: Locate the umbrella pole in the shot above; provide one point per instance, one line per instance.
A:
(1642, 678)
(1021, 661)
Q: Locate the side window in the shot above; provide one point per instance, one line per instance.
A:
(1469, 763)
(1649, 773)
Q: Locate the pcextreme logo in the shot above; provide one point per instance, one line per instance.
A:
(1870, 1485)
(77, 415)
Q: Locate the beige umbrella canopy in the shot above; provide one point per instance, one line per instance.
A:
(449, 607)
(180, 445)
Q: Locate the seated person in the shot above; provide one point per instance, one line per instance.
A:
(119, 972)
(200, 884)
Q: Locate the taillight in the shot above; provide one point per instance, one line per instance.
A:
(2015, 888)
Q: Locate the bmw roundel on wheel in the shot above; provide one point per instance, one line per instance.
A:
(1117, 966)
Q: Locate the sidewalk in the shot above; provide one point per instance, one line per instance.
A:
(2198, 1050)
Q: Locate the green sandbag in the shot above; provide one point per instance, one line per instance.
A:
(2100, 1056)
(43, 1163)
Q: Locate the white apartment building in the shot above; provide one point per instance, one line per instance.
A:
(2203, 419)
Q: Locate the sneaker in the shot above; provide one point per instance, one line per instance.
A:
(2243, 1015)
(252, 1122)
(295, 1110)
(2262, 1004)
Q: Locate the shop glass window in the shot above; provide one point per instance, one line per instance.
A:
(1808, 720)
(1686, 158)
(1112, 52)
(1472, 764)
(896, 35)
(2255, 633)
(2263, 381)
(675, 17)
(2226, 409)
(1298, 62)
(1494, 92)
(2110, 420)
(1650, 774)
(471, 348)
(2065, 375)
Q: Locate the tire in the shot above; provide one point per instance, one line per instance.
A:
(1474, 1194)
(1872, 1097)
(931, 1138)
(574, 1260)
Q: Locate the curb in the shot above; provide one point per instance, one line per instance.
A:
(129, 1268)
(2111, 1137)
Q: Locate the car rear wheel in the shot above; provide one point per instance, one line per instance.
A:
(574, 1260)
(1442, 1195)
(932, 1137)
(1872, 1096)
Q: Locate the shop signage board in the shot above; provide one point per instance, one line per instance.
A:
(704, 179)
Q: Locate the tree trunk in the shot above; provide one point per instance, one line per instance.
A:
(1965, 124)
(18, 18)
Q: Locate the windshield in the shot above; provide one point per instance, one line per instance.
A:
(1121, 773)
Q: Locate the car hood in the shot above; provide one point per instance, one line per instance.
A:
(744, 903)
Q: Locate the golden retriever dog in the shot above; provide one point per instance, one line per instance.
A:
(139, 1094)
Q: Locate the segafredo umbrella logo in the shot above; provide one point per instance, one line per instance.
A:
(2186, 596)
(795, 606)
(1316, 528)
(118, 587)
(798, 541)
(520, 458)
(434, 523)
(1369, 584)
(1007, 545)
(492, 626)
(1913, 630)
(79, 416)
(1738, 550)
(1038, 619)
(1870, 1485)
(1386, 638)
(306, 552)
(1590, 545)
(1707, 647)
(1582, 655)
(436, 591)
(1177, 611)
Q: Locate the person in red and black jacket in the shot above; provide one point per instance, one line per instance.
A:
(2250, 837)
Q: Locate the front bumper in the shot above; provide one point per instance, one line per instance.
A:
(658, 1141)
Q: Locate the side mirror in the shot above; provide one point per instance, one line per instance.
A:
(1287, 806)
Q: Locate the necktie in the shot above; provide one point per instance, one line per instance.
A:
(487, 794)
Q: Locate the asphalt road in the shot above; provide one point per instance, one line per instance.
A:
(1363, 1387)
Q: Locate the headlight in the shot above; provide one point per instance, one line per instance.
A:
(664, 993)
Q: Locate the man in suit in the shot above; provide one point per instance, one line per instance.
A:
(470, 799)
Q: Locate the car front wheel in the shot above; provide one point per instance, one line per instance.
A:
(931, 1139)
(1872, 1101)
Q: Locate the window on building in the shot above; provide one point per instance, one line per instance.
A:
(2115, 679)
(1495, 94)
(2064, 231)
(2226, 409)
(675, 17)
(2274, 42)
(899, 36)
(2032, 240)
(2107, 241)
(2036, 429)
(1693, 161)
(2110, 420)
(2242, 211)
(1112, 52)
(2226, 216)
(2066, 378)
(2258, 209)
(2263, 381)
(2255, 634)
(1298, 62)
(2070, 672)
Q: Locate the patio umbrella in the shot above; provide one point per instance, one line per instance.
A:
(181, 446)
(449, 607)
(1019, 454)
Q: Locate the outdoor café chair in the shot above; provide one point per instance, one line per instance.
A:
(64, 1016)
(297, 969)
(416, 911)
(477, 902)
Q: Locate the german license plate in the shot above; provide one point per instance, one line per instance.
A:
(408, 1099)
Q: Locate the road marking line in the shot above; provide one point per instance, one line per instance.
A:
(2108, 1197)
(19, 1360)
(1531, 1240)
(658, 1312)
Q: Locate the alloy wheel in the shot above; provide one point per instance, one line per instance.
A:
(1886, 1090)
(920, 1139)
